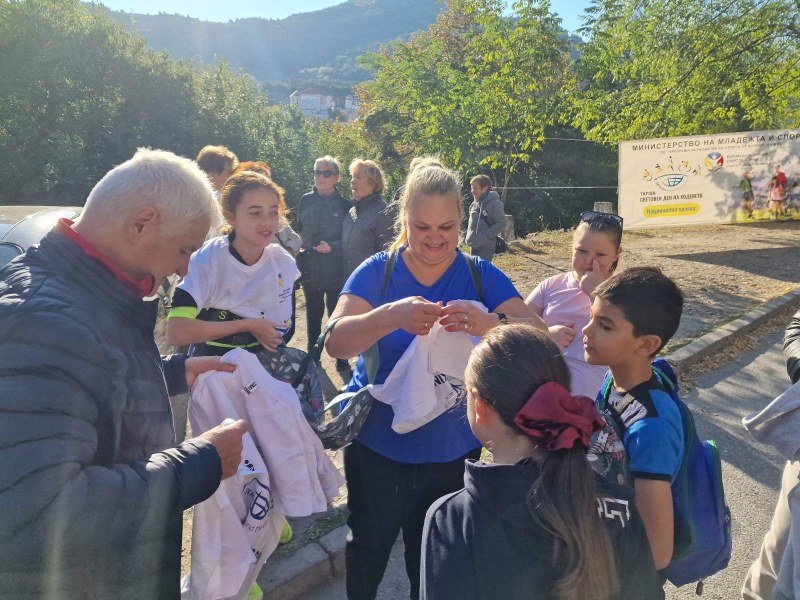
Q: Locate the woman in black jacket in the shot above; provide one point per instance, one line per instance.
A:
(537, 523)
(319, 222)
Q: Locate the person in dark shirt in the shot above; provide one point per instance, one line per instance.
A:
(535, 523)
(319, 219)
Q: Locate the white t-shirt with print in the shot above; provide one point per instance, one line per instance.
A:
(216, 279)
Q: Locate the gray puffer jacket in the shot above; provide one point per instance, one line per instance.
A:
(487, 220)
(368, 228)
(91, 492)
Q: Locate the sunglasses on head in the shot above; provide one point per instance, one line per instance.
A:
(592, 216)
(326, 173)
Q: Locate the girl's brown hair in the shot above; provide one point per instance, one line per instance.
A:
(238, 184)
(215, 159)
(425, 181)
(256, 166)
(506, 368)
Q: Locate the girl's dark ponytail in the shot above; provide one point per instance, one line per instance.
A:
(506, 368)
(563, 501)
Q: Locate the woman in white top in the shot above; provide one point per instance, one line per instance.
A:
(238, 292)
(564, 301)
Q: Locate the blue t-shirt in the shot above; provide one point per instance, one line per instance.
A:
(448, 436)
(652, 436)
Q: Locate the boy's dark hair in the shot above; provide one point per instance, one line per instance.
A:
(650, 301)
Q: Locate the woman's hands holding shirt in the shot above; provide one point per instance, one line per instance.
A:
(462, 315)
(415, 314)
(364, 325)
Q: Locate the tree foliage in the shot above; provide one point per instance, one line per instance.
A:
(478, 88)
(682, 67)
(488, 88)
(79, 94)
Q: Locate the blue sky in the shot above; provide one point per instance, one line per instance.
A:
(215, 10)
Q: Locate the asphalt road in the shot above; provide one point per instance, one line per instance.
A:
(752, 471)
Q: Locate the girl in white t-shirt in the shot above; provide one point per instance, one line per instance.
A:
(564, 301)
(238, 292)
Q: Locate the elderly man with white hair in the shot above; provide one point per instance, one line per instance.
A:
(91, 489)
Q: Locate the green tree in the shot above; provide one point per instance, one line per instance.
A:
(478, 88)
(59, 80)
(679, 67)
(78, 94)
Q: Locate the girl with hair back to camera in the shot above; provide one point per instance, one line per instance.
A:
(537, 523)
(564, 301)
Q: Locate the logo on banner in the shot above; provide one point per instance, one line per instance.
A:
(714, 161)
(669, 177)
(670, 181)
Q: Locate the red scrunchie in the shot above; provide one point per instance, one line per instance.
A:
(556, 420)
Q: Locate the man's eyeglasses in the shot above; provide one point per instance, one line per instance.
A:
(592, 216)
(326, 173)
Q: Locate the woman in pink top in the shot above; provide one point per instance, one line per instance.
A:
(564, 301)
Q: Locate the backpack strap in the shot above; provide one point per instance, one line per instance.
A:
(476, 277)
(665, 374)
(616, 412)
(372, 357)
(388, 267)
(314, 354)
(605, 392)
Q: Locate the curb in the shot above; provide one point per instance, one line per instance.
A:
(319, 562)
(313, 565)
(715, 340)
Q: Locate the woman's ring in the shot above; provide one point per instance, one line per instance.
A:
(466, 318)
(425, 324)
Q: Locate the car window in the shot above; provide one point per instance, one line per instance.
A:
(33, 229)
(8, 252)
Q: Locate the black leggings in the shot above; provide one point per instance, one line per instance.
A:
(384, 497)
(316, 302)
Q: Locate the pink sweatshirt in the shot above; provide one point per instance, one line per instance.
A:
(561, 301)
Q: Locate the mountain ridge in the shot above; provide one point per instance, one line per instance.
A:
(314, 47)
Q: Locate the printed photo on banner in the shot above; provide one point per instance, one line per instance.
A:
(720, 178)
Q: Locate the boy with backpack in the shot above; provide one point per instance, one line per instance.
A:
(650, 441)
(634, 314)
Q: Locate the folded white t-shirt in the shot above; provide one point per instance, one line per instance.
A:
(428, 379)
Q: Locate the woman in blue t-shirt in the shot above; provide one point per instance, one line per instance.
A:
(393, 478)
